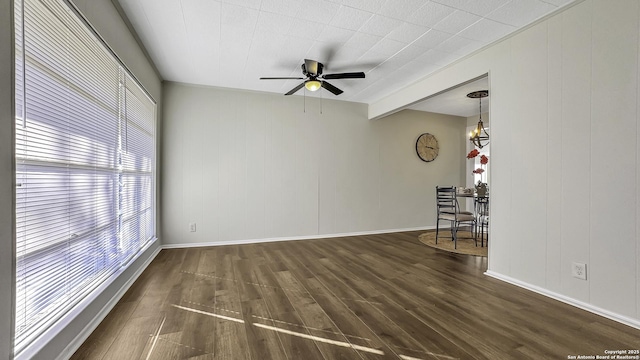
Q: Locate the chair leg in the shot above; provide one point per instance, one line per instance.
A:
(437, 229)
(485, 228)
(453, 230)
(454, 234)
(455, 238)
(474, 232)
(485, 232)
(482, 233)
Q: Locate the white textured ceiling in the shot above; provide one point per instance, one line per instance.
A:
(232, 43)
(455, 101)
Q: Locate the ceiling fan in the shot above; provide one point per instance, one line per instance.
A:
(314, 79)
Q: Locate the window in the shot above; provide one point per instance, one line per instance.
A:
(85, 158)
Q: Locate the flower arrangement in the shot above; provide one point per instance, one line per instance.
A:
(483, 161)
(481, 187)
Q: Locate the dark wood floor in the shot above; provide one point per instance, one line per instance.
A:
(366, 297)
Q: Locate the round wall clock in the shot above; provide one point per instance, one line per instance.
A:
(427, 147)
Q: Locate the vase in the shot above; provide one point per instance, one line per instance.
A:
(481, 189)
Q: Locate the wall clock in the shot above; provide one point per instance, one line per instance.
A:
(427, 147)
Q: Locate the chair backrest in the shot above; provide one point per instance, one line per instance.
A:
(446, 198)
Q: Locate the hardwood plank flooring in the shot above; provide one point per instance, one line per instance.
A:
(372, 297)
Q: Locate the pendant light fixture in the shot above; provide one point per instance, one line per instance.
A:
(479, 137)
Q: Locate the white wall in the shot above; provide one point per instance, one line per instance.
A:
(108, 23)
(565, 153)
(251, 166)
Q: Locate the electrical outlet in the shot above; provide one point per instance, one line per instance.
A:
(579, 271)
(192, 227)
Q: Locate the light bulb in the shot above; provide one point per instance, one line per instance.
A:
(312, 85)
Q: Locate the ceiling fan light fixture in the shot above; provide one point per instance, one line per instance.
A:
(312, 85)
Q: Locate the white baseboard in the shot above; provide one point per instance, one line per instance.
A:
(292, 238)
(635, 323)
(74, 345)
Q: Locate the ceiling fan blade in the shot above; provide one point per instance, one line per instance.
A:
(311, 66)
(281, 78)
(330, 53)
(293, 91)
(343, 67)
(349, 75)
(331, 88)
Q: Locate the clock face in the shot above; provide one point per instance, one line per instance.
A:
(427, 147)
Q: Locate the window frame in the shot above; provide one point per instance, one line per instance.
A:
(55, 325)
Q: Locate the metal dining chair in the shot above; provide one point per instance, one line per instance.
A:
(448, 209)
(482, 217)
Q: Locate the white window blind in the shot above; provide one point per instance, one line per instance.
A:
(136, 175)
(85, 157)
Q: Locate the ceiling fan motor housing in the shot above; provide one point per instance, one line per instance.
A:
(310, 72)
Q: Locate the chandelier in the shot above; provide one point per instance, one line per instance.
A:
(479, 137)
